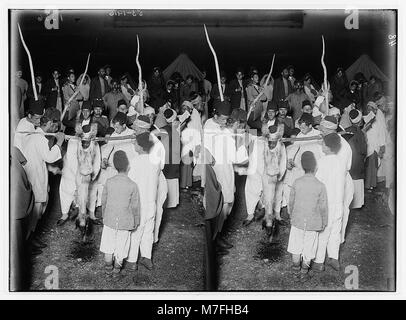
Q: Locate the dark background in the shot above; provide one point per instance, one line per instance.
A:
(240, 37)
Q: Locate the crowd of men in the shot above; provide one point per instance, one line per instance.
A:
(125, 151)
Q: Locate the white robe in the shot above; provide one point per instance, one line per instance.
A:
(375, 136)
(96, 187)
(125, 145)
(332, 172)
(254, 186)
(23, 126)
(157, 156)
(345, 156)
(221, 145)
(35, 149)
(145, 174)
(295, 152)
(68, 187)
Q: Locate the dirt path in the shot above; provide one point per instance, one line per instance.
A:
(178, 257)
(254, 264)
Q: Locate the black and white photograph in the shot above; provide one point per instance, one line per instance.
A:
(202, 150)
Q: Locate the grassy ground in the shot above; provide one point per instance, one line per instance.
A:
(178, 257)
(254, 264)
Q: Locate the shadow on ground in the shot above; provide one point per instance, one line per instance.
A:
(254, 264)
(178, 257)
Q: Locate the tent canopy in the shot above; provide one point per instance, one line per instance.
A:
(365, 65)
(184, 66)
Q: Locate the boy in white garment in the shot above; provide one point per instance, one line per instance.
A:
(332, 172)
(308, 214)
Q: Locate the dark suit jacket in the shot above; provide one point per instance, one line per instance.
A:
(95, 89)
(279, 90)
(30, 92)
(51, 91)
(215, 94)
(235, 97)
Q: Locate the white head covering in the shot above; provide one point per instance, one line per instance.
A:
(357, 118)
(334, 111)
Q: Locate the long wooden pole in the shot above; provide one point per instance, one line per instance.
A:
(140, 90)
(262, 91)
(325, 75)
(216, 64)
(67, 105)
(30, 62)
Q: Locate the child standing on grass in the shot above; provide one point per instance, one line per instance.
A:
(308, 213)
(121, 213)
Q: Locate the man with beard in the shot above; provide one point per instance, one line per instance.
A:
(99, 85)
(282, 86)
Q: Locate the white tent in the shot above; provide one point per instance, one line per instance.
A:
(184, 66)
(365, 65)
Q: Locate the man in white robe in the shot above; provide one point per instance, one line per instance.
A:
(332, 172)
(375, 134)
(36, 150)
(226, 151)
(29, 123)
(144, 171)
(157, 155)
(329, 125)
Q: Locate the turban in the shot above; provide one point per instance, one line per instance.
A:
(187, 104)
(148, 111)
(37, 107)
(223, 108)
(89, 131)
(308, 161)
(372, 105)
(170, 115)
(273, 132)
(355, 116)
(197, 101)
(334, 111)
(143, 122)
(329, 122)
(120, 161)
